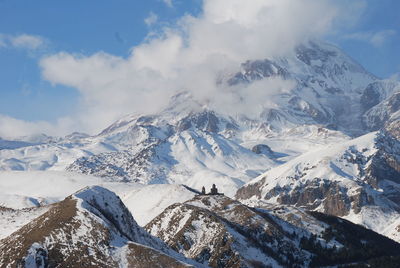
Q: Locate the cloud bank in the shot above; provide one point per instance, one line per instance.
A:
(190, 56)
(12, 127)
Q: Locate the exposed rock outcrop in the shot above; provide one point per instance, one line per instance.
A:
(91, 228)
(221, 232)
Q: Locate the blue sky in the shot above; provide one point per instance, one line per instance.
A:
(382, 59)
(74, 26)
(114, 27)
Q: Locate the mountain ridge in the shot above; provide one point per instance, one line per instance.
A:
(90, 228)
(332, 101)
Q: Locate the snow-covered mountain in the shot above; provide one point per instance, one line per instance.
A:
(91, 228)
(330, 143)
(357, 180)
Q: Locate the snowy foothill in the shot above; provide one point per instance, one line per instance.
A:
(28, 189)
(21, 189)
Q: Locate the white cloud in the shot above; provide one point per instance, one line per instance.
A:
(22, 41)
(12, 127)
(27, 41)
(377, 39)
(108, 86)
(168, 3)
(191, 56)
(151, 19)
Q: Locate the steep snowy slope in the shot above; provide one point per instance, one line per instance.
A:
(147, 202)
(91, 228)
(13, 219)
(36, 189)
(220, 232)
(376, 117)
(328, 87)
(358, 180)
(193, 150)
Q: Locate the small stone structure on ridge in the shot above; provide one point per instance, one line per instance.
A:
(214, 191)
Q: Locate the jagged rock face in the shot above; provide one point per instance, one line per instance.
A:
(218, 239)
(385, 164)
(124, 166)
(327, 61)
(393, 128)
(371, 96)
(327, 228)
(225, 233)
(327, 89)
(251, 190)
(206, 121)
(309, 54)
(89, 229)
(360, 178)
(394, 103)
(262, 149)
(314, 194)
(380, 113)
(257, 70)
(330, 197)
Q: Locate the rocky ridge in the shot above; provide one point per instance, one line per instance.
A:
(91, 228)
(357, 180)
(221, 232)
